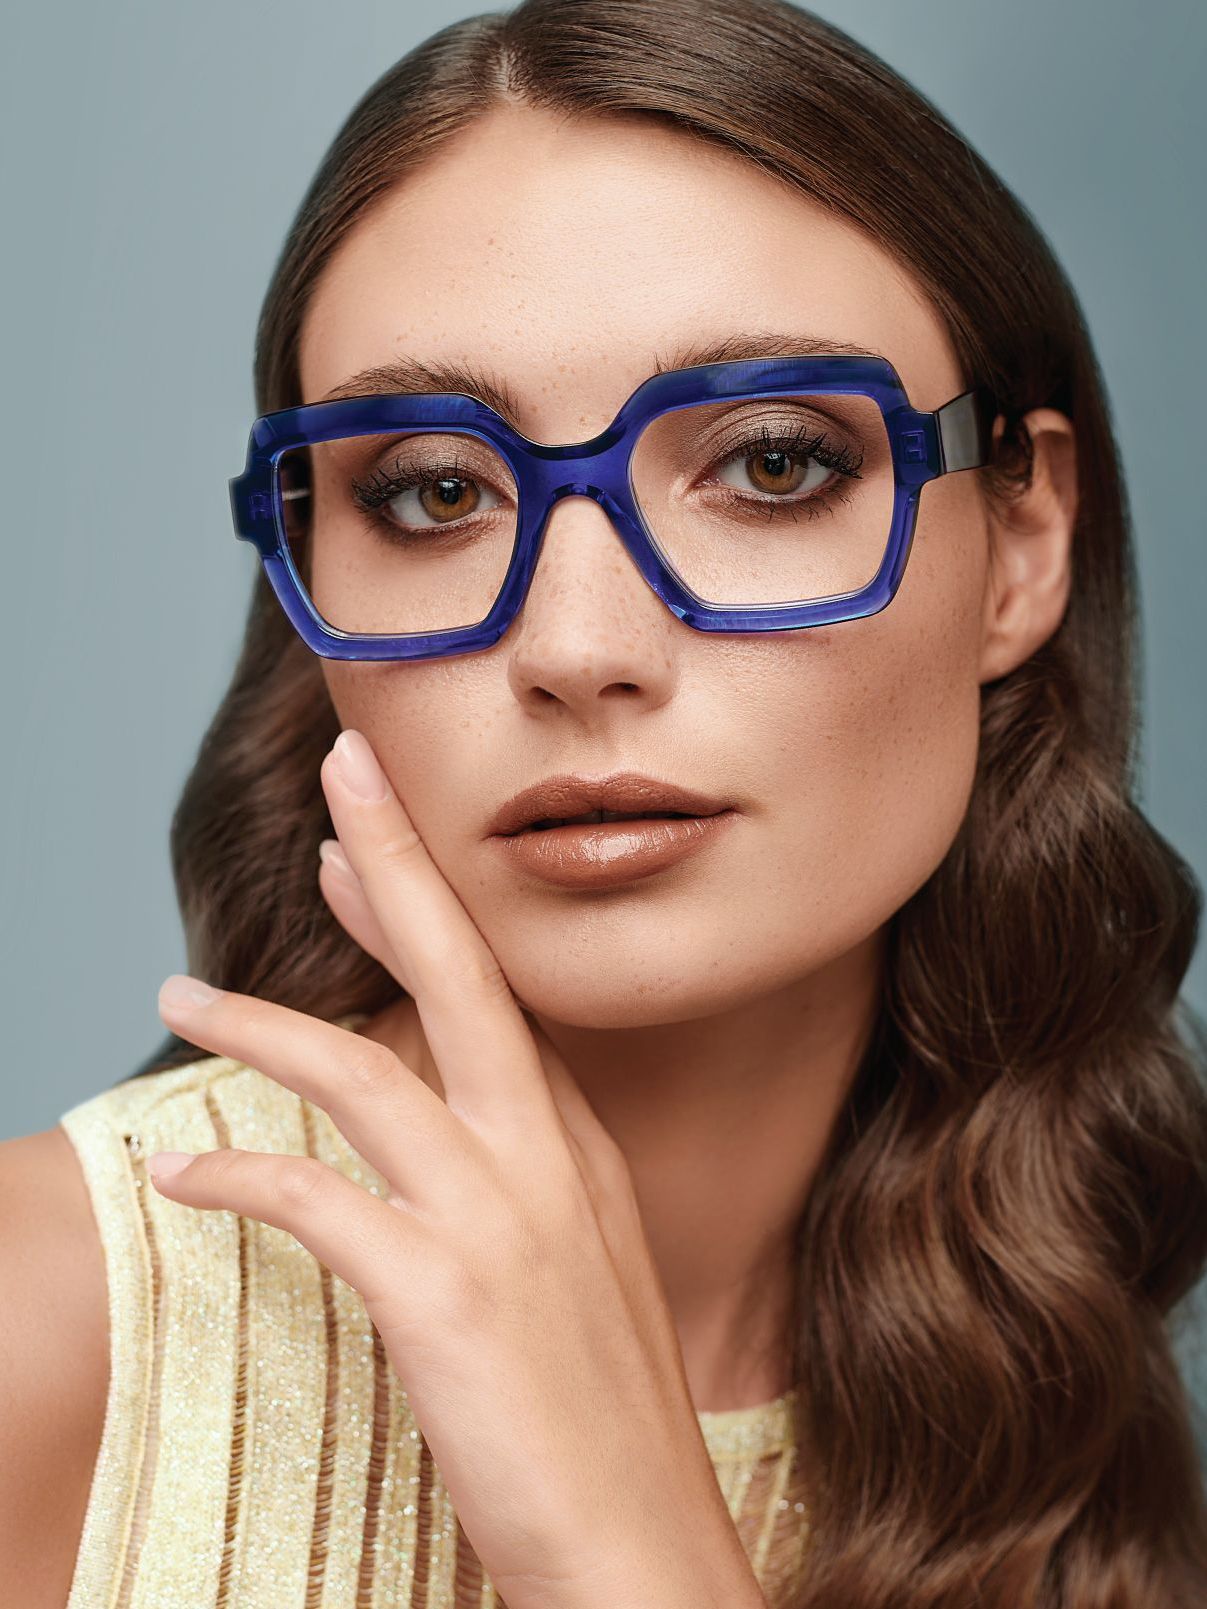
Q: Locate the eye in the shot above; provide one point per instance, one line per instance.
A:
(425, 496)
(792, 468)
(772, 470)
(443, 500)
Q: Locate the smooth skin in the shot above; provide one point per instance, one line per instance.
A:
(712, 1016)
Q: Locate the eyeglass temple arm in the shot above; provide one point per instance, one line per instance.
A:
(965, 427)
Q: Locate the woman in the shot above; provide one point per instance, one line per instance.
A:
(784, 1205)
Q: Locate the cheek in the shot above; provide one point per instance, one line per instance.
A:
(351, 688)
(878, 765)
(429, 724)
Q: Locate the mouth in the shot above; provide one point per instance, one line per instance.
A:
(578, 801)
(609, 849)
(591, 817)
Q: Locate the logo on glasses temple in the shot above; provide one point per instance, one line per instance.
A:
(259, 506)
(913, 446)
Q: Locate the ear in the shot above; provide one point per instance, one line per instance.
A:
(1030, 548)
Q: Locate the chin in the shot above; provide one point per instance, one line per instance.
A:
(602, 1000)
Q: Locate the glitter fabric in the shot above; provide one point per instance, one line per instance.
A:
(258, 1450)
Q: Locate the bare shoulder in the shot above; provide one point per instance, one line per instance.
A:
(54, 1364)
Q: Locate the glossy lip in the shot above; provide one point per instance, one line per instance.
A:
(625, 791)
(604, 854)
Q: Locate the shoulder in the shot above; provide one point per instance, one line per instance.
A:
(53, 1362)
(51, 1269)
(50, 1255)
(64, 1208)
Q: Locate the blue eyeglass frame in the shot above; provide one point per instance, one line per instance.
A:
(923, 445)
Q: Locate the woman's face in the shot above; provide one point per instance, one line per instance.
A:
(567, 259)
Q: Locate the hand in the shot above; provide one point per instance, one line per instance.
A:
(504, 1264)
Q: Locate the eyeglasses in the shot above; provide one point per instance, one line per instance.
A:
(756, 495)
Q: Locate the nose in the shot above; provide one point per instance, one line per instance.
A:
(590, 625)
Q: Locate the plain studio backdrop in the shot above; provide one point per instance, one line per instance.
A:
(151, 159)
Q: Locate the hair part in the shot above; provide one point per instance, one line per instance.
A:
(1015, 1196)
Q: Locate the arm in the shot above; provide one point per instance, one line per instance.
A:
(54, 1365)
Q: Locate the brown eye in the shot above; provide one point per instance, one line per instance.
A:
(417, 498)
(448, 499)
(775, 471)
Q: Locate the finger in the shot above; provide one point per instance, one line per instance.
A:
(601, 1161)
(472, 1021)
(353, 1232)
(385, 1111)
(609, 1182)
(341, 889)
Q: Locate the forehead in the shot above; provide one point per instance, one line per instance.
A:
(569, 258)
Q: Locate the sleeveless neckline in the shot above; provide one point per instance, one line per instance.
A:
(750, 1433)
(729, 1433)
(760, 1413)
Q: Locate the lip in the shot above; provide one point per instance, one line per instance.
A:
(605, 854)
(625, 791)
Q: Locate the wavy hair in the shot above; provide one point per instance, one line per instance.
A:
(1015, 1195)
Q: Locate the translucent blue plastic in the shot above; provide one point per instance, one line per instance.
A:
(924, 446)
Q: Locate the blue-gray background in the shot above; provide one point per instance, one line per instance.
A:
(151, 158)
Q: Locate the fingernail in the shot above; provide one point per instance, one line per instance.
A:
(358, 766)
(182, 991)
(167, 1164)
(333, 855)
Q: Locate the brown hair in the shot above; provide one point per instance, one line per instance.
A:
(1015, 1196)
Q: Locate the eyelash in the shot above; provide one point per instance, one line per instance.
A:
(794, 443)
(382, 487)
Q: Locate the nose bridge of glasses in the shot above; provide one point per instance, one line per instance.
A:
(558, 491)
(595, 469)
(600, 476)
(578, 464)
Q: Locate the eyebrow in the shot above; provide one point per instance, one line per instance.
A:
(409, 375)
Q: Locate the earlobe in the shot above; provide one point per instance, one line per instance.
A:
(1029, 572)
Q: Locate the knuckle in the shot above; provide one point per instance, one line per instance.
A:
(240, 1012)
(455, 1291)
(400, 848)
(469, 968)
(298, 1181)
(489, 979)
(370, 1070)
(222, 1167)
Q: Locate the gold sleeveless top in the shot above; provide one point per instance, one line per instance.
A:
(258, 1451)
